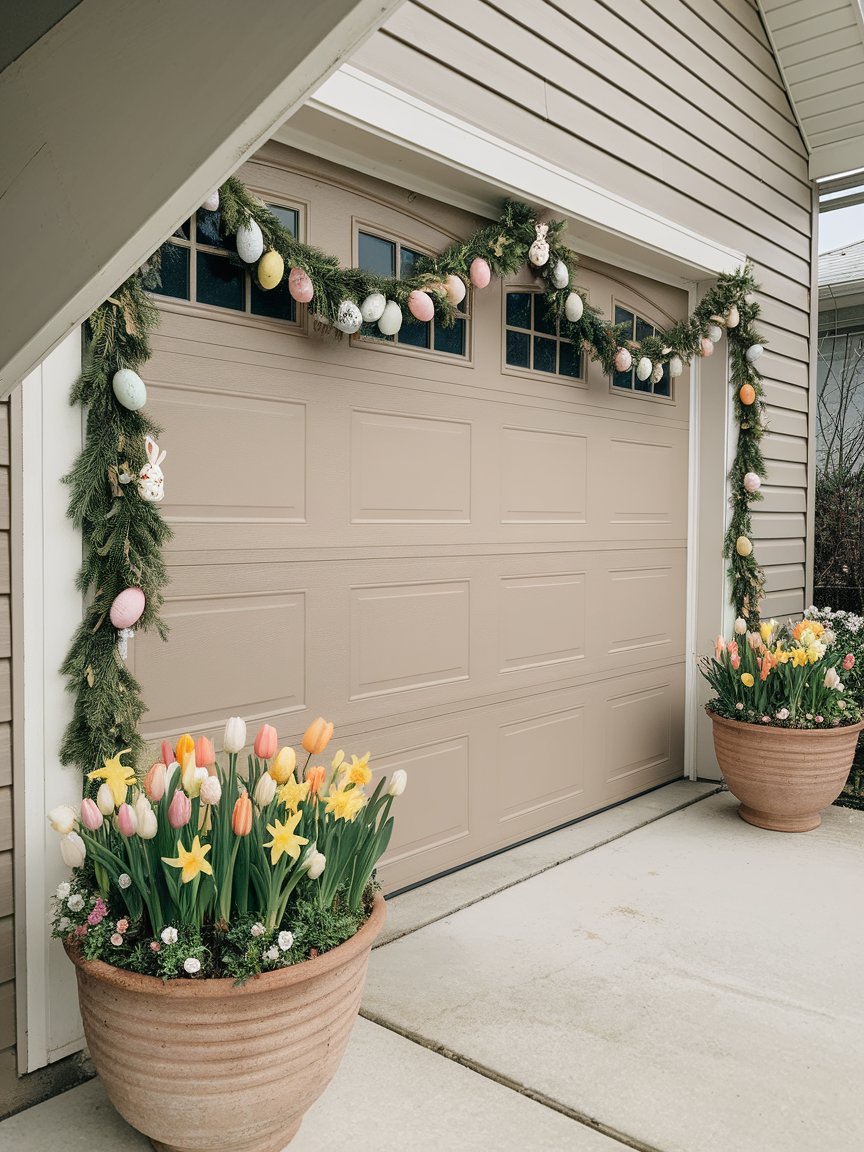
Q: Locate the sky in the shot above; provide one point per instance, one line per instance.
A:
(845, 226)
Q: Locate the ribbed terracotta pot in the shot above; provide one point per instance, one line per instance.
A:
(204, 1066)
(783, 777)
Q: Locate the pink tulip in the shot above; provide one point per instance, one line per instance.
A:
(91, 817)
(719, 648)
(265, 742)
(205, 753)
(167, 752)
(848, 661)
(179, 810)
(155, 782)
(127, 821)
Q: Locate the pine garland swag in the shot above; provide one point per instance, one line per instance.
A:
(123, 534)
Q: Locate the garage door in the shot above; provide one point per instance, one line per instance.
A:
(467, 548)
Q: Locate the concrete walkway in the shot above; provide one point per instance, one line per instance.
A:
(659, 977)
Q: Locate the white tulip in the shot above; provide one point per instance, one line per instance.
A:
(62, 819)
(148, 825)
(234, 739)
(73, 850)
(397, 782)
(105, 800)
(265, 790)
(314, 864)
(211, 790)
(740, 626)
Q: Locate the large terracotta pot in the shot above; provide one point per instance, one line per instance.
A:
(783, 777)
(206, 1066)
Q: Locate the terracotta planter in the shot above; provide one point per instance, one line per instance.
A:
(204, 1066)
(783, 777)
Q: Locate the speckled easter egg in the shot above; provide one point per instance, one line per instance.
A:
(657, 374)
(455, 288)
(129, 389)
(127, 608)
(622, 360)
(372, 308)
(271, 269)
(420, 306)
(349, 319)
(480, 272)
(676, 366)
(574, 306)
(560, 275)
(250, 242)
(300, 286)
(644, 368)
(391, 319)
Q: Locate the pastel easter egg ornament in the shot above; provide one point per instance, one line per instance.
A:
(480, 272)
(129, 389)
(574, 307)
(455, 288)
(714, 333)
(391, 319)
(622, 360)
(732, 317)
(271, 269)
(754, 352)
(657, 374)
(676, 366)
(538, 253)
(706, 347)
(372, 308)
(300, 286)
(349, 317)
(752, 482)
(250, 242)
(743, 546)
(127, 608)
(420, 306)
(747, 394)
(211, 204)
(560, 275)
(644, 368)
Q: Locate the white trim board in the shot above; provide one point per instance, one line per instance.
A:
(372, 105)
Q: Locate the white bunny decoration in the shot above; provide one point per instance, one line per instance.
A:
(151, 482)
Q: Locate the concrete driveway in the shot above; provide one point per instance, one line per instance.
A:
(658, 977)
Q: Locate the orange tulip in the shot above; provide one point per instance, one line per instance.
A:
(205, 753)
(241, 817)
(265, 742)
(315, 778)
(317, 736)
(185, 745)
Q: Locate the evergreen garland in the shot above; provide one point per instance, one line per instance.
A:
(123, 534)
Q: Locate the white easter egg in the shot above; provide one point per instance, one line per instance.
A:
(676, 366)
(752, 483)
(574, 307)
(644, 368)
(657, 374)
(349, 317)
(129, 389)
(714, 333)
(391, 319)
(560, 275)
(373, 306)
(754, 352)
(455, 288)
(211, 204)
(250, 242)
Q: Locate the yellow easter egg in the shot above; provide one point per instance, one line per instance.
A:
(743, 546)
(271, 269)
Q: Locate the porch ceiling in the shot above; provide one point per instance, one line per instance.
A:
(819, 45)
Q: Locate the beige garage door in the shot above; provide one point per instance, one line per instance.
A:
(472, 559)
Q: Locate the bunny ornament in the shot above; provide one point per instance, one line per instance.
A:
(151, 482)
(538, 253)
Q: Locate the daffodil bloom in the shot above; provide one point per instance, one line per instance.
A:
(766, 629)
(293, 794)
(345, 803)
(799, 657)
(815, 652)
(285, 841)
(359, 771)
(116, 775)
(193, 861)
(747, 679)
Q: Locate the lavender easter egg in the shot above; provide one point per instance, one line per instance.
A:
(420, 306)
(127, 608)
(480, 272)
(300, 286)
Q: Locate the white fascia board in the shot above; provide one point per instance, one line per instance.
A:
(373, 105)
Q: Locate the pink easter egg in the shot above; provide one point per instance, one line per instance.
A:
(420, 305)
(480, 272)
(707, 346)
(455, 288)
(127, 608)
(300, 286)
(622, 360)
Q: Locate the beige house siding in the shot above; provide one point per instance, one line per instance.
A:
(683, 112)
(7, 948)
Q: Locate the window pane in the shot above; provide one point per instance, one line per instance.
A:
(276, 302)
(450, 340)
(415, 333)
(544, 318)
(174, 271)
(377, 255)
(544, 354)
(373, 332)
(289, 218)
(622, 380)
(184, 229)
(519, 310)
(517, 349)
(642, 385)
(220, 282)
(643, 329)
(664, 386)
(407, 260)
(570, 359)
(207, 229)
(623, 316)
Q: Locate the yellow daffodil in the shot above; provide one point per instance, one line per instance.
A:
(192, 861)
(747, 679)
(799, 657)
(815, 652)
(766, 628)
(285, 841)
(345, 803)
(359, 772)
(116, 775)
(292, 794)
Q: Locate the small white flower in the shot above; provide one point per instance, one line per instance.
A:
(828, 638)
(841, 704)
(63, 924)
(257, 929)
(739, 706)
(783, 714)
(286, 939)
(397, 782)
(63, 890)
(124, 880)
(116, 939)
(272, 953)
(192, 965)
(169, 935)
(75, 902)
(62, 819)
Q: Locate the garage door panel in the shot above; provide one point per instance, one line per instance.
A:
(542, 621)
(541, 763)
(544, 476)
(643, 482)
(643, 734)
(642, 609)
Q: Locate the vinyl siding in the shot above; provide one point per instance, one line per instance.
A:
(679, 106)
(7, 949)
